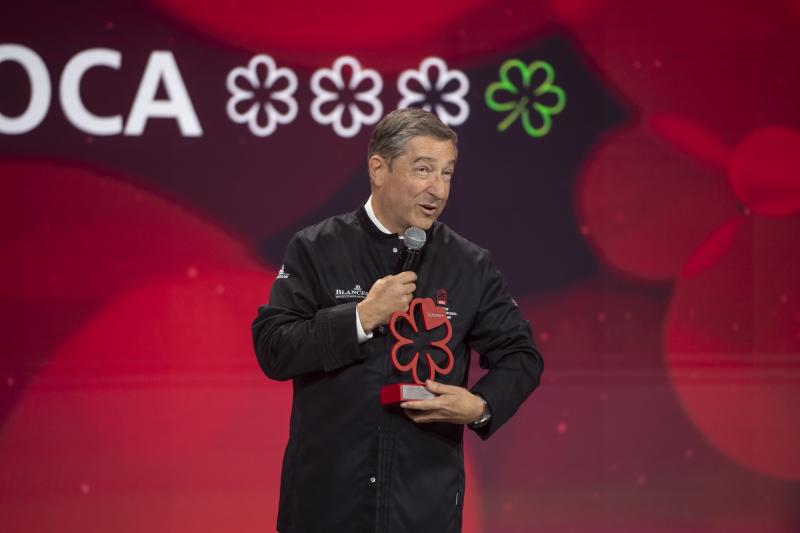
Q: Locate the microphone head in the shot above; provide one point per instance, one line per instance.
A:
(414, 238)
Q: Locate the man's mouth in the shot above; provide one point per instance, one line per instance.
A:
(428, 208)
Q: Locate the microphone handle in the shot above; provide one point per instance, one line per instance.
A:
(407, 261)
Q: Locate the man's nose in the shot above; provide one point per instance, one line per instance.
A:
(438, 186)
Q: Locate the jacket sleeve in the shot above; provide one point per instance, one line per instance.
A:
(503, 339)
(294, 335)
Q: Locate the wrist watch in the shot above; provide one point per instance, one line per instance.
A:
(485, 417)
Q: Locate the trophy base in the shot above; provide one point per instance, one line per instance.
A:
(401, 392)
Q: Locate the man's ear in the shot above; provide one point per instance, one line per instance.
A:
(377, 170)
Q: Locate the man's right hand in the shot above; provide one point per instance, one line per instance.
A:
(387, 295)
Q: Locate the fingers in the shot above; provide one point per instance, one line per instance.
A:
(408, 289)
(441, 388)
(406, 277)
(407, 282)
(422, 405)
(388, 295)
(441, 401)
(452, 404)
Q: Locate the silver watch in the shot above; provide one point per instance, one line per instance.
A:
(485, 417)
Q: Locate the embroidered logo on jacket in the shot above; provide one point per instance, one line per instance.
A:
(441, 297)
(441, 300)
(355, 292)
(282, 274)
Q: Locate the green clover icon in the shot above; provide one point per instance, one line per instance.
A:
(516, 100)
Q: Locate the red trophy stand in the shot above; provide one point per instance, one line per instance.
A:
(432, 317)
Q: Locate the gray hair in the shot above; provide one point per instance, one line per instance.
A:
(391, 134)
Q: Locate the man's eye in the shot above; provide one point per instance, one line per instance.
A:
(423, 169)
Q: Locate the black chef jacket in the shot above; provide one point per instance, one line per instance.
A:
(352, 464)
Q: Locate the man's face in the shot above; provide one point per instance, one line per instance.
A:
(414, 190)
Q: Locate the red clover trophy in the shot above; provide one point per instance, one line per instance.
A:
(423, 318)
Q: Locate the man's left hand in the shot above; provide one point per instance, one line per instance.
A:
(452, 404)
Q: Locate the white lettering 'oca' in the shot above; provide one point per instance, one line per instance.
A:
(161, 69)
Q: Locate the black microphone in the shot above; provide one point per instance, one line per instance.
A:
(409, 257)
(410, 254)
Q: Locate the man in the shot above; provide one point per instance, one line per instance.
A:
(353, 464)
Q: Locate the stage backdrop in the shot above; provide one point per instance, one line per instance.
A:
(633, 166)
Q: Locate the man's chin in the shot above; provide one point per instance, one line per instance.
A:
(424, 220)
(423, 223)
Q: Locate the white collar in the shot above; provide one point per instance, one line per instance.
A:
(373, 218)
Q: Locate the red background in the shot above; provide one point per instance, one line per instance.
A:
(651, 238)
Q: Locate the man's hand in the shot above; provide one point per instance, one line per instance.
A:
(452, 404)
(387, 295)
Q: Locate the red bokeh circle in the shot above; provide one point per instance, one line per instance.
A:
(732, 337)
(765, 171)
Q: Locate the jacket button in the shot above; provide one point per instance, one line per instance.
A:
(394, 250)
(372, 479)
